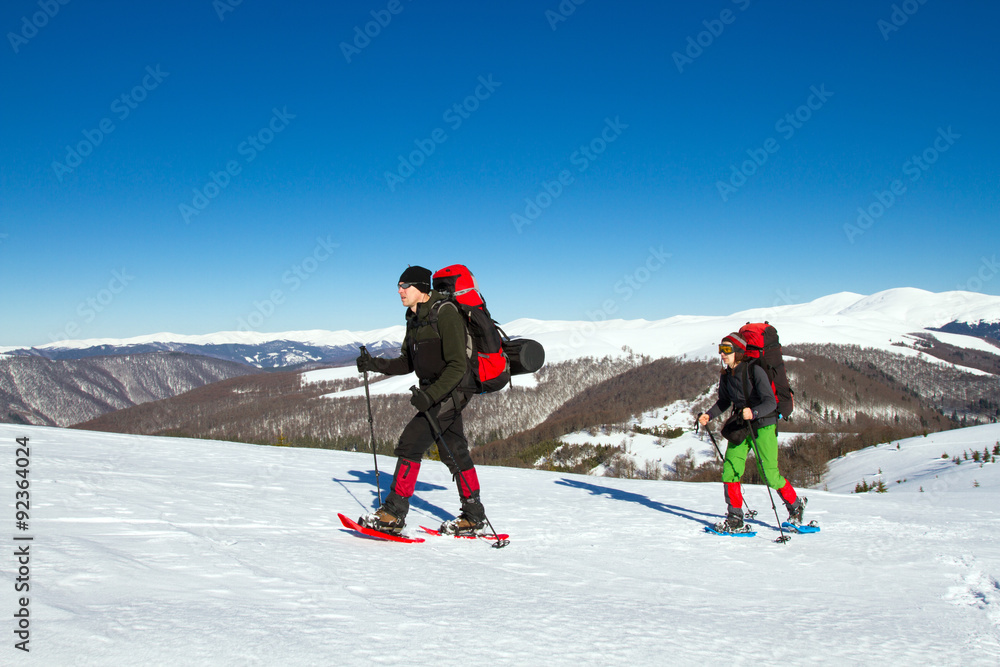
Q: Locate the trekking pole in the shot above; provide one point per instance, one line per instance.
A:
(371, 427)
(711, 437)
(760, 467)
(436, 430)
(751, 514)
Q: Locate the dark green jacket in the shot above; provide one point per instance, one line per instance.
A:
(438, 357)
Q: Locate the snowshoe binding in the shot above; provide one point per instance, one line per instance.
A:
(383, 521)
(733, 525)
(471, 520)
(463, 525)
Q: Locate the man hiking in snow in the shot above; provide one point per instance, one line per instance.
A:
(746, 388)
(435, 347)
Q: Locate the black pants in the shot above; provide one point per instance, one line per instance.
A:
(417, 437)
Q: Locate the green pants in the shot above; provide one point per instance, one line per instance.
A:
(767, 454)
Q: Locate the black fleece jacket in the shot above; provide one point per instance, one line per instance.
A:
(438, 356)
(761, 399)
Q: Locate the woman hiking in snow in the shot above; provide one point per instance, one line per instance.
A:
(746, 387)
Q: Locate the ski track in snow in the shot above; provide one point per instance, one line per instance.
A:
(152, 551)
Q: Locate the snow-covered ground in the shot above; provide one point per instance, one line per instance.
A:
(156, 551)
(645, 447)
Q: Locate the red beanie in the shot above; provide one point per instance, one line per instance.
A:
(736, 340)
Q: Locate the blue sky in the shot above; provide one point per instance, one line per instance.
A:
(202, 166)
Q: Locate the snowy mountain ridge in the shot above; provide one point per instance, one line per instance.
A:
(892, 321)
(845, 317)
(887, 320)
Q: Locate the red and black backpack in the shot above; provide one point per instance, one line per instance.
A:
(763, 348)
(494, 356)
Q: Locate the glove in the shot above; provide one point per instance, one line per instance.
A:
(366, 362)
(421, 401)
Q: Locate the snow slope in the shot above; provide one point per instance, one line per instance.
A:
(912, 464)
(154, 551)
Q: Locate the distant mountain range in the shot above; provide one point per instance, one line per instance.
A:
(74, 381)
(266, 351)
(880, 320)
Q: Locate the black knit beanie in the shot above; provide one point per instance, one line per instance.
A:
(417, 276)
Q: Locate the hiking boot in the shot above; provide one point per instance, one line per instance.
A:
(796, 510)
(732, 524)
(383, 521)
(463, 525)
(471, 520)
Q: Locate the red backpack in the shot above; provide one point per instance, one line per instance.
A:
(494, 356)
(484, 345)
(763, 348)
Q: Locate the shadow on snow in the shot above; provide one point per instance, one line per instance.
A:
(367, 477)
(628, 496)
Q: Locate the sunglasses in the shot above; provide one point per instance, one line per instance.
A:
(725, 348)
(405, 285)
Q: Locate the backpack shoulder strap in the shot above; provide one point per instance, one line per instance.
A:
(746, 384)
(434, 314)
(744, 376)
(436, 308)
(462, 315)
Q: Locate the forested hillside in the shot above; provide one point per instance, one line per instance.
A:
(279, 408)
(847, 397)
(36, 390)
